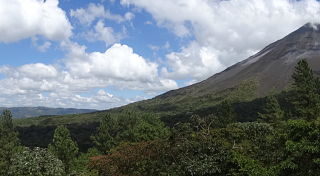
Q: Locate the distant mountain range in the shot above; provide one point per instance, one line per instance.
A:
(24, 112)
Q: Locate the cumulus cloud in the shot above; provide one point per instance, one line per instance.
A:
(117, 62)
(225, 32)
(196, 60)
(118, 65)
(82, 73)
(33, 71)
(87, 16)
(104, 33)
(21, 19)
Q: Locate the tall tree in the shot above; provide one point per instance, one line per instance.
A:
(103, 139)
(64, 147)
(271, 112)
(302, 148)
(9, 142)
(307, 99)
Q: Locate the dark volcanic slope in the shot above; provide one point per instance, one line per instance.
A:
(272, 67)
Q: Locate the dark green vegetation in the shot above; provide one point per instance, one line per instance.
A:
(236, 134)
(24, 112)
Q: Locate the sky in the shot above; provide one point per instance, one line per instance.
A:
(102, 54)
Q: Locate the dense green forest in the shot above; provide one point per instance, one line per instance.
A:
(275, 135)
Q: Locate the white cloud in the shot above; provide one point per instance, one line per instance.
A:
(129, 16)
(33, 71)
(225, 32)
(42, 47)
(196, 60)
(21, 19)
(104, 33)
(87, 16)
(71, 84)
(117, 62)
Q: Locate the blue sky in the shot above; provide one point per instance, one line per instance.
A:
(107, 53)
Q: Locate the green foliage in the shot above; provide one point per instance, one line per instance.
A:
(271, 112)
(104, 137)
(36, 162)
(249, 154)
(81, 163)
(8, 142)
(148, 127)
(255, 132)
(303, 147)
(245, 91)
(130, 127)
(6, 120)
(307, 99)
(251, 167)
(63, 147)
(202, 155)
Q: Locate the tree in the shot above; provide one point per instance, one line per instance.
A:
(149, 127)
(64, 147)
(306, 100)
(103, 139)
(140, 158)
(137, 127)
(252, 148)
(81, 164)
(302, 148)
(36, 162)
(9, 142)
(271, 112)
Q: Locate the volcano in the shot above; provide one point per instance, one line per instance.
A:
(272, 67)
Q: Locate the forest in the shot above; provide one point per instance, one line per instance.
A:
(281, 138)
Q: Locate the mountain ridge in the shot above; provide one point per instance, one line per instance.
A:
(25, 112)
